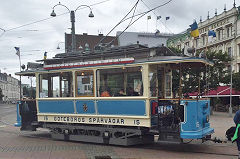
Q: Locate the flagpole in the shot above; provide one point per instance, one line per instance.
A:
(19, 57)
(20, 76)
(206, 66)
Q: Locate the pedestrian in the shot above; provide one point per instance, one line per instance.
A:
(236, 136)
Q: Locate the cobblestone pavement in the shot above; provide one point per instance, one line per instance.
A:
(15, 144)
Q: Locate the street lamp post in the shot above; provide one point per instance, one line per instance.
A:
(72, 18)
(58, 46)
(230, 103)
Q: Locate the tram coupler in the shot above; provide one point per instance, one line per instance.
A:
(215, 139)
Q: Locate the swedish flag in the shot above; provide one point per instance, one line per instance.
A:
(194, 30)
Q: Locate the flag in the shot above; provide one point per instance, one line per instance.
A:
(18, 51)
(194, 30)
(45, 55)
(157, 32)
(211, 35)
(148, 17)
(159, 17)
(167, 18)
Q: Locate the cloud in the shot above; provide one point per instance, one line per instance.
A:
(45, 35)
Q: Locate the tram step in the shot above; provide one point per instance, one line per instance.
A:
(169, 137)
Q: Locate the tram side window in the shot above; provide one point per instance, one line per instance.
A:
(168, 83)
(84, 85)
(119, 82)
(56, 85)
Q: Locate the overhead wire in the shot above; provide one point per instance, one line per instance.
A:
(6, 30)
(118, 23)
(141, 15)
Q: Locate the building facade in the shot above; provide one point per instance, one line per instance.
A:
(146, 39)
(10, 88)
(227, 28)
(85, 42)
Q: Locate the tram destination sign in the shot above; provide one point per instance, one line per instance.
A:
(95, 120)
(89, 63)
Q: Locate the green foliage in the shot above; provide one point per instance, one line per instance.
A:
(176, 50)
(235, 80)
(192, 76)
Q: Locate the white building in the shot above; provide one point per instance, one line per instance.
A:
(227, 28)
(147, 39)
(10, 88)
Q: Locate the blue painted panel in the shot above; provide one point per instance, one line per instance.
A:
(121, 107)
(19, 119)
(85, 107)
(65, 107)
(197, 134)
(196, 124)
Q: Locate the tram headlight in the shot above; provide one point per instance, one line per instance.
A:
(207, 118)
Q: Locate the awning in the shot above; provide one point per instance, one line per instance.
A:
(220, 91)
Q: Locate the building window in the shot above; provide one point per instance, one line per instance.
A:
(228, 32)
(197, 42)
(203, 40)
(229, 51)
(119, 82)
(219, 35)
(84, 80)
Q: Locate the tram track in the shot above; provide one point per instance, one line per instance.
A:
(46, 135)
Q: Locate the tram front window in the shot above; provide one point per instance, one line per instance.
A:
(119, 82)
(55, 85)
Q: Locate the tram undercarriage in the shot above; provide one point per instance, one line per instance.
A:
(99, 134)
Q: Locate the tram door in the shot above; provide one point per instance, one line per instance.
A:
(168, 109)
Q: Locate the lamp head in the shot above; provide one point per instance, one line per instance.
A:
(91, 15)
(53, 14)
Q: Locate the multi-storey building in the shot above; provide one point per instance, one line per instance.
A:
(227, 28)
(10, 87)
(146, 39)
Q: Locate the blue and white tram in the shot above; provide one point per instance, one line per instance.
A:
(121, 96)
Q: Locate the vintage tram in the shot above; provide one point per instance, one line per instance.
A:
(119, 95)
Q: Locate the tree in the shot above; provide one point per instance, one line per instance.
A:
(210, 75)
(1, 94)
(235, 80)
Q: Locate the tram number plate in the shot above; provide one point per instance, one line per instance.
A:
(136, 122)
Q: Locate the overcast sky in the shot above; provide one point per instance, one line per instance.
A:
(45, 35)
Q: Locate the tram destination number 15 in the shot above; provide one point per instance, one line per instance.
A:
(136, 122)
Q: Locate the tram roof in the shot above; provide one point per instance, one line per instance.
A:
(139, 53)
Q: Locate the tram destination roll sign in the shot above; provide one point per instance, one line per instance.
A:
(92, 120)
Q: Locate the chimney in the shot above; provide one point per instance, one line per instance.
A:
(84, 34)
